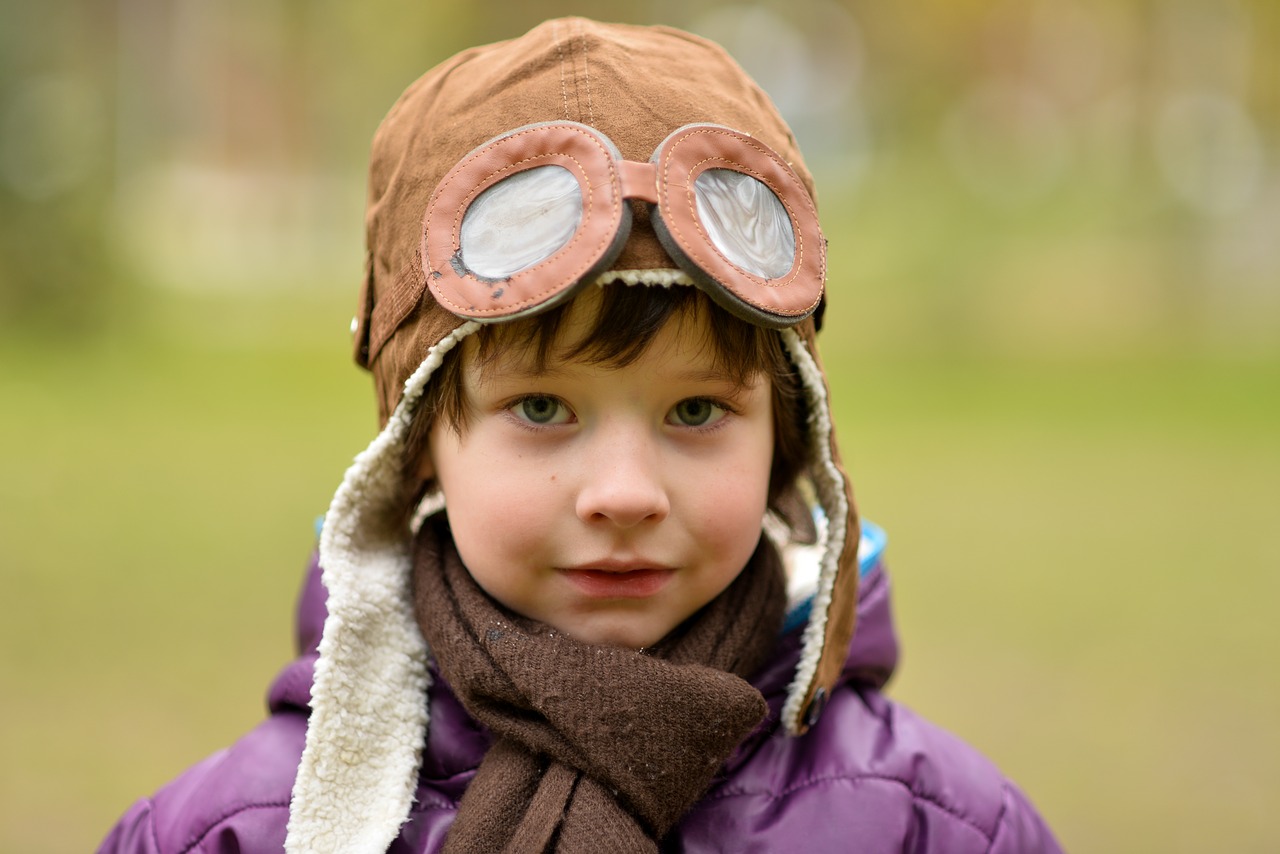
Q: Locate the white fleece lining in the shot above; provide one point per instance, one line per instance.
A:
(829, 485)
(662, 277)
(368, 723)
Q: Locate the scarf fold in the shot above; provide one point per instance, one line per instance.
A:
(596, 748)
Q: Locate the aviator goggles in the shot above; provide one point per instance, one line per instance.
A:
(526, 218)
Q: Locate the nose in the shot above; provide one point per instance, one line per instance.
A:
(623, 480)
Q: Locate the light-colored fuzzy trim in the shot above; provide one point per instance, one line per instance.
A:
(832, 498)
(368, 722)
(662, 277)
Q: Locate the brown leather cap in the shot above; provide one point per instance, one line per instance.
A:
(636, 84)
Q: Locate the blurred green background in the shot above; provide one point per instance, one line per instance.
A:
(1053, 336)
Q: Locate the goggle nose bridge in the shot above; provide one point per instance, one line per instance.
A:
(638, 180)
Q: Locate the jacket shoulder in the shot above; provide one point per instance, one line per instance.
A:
(874, 771)
(236, 800)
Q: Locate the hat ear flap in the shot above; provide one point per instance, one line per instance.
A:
(825, 642)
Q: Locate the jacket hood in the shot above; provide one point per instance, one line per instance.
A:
(357, 776)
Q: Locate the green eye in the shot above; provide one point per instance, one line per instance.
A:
(540, 409)
(694, 412)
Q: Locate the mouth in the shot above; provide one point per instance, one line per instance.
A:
(617, 580)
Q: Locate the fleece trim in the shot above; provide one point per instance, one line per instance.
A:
(368, 722)
(663, 277)
(829, 484)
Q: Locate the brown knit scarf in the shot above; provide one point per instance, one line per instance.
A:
(596, 748)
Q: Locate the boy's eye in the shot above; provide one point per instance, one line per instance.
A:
(696, 412)
(541, 409)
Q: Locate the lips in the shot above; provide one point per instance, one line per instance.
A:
(618, 581)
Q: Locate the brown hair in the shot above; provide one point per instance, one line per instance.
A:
(627, 319)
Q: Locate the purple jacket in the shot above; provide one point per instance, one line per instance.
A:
(870, 776)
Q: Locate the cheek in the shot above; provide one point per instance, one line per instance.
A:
(492, 518)
(729, 514)
(495, 529)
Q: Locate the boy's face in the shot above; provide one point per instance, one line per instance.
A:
(609, 503)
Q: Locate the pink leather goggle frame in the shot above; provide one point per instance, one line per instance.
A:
(606, 182)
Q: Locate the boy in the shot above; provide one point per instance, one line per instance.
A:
(626, 601)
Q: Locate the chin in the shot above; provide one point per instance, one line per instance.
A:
(619, 634)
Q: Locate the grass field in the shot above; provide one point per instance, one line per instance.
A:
(1085, 556)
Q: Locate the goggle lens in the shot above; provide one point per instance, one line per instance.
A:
(746, 222)
(520, 221)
